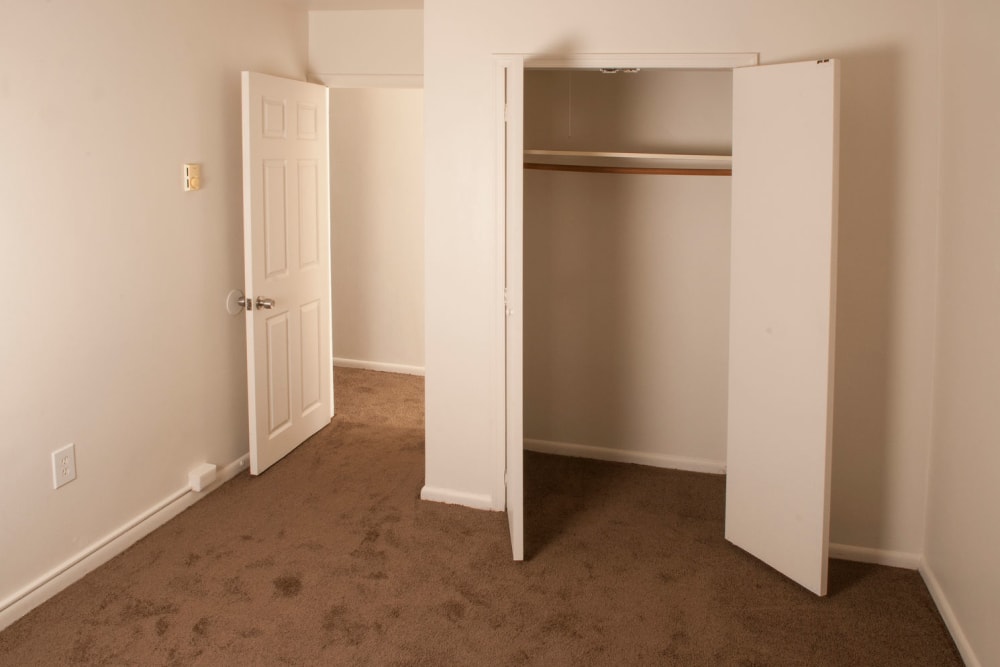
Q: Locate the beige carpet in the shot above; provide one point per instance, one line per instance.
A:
(330, 558)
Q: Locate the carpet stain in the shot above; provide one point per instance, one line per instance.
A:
(337, 622)
(453, 611)
(260, 563)
(201, 627)
(563, 624)
(137, 609)
(234, 587)
(667, 577)
(162, 625)
(251, 632)
(288, 586)
(81, 650)
(191, 559)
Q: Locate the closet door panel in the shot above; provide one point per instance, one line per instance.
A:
(782, 311)
(512, 117)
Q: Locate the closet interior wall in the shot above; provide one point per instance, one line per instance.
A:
(626, 277)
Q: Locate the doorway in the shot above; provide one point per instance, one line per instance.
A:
(377, 228)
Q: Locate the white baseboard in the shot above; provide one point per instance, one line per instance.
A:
(378, 366)
(479, 501)
(109, 546)
(948, 614)
(903, 559)
(689, 464)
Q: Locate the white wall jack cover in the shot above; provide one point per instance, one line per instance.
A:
(63, 465)
(202, 476)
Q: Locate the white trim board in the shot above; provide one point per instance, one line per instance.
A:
(378, 366)
(479, 501)
(104, 549)
(948, 614)
(641, 60)
(654, 459)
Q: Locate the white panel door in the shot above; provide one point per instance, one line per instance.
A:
(511, 71)
(286, 212)
(782, 306)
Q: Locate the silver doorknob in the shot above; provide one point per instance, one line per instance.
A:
(261, 302)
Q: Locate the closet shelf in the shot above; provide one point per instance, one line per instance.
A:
(629, 163)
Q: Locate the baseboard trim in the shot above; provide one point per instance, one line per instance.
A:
(378, 366)
(479, 501)
(903, 559)
(948, 614)
(109, 546)
(621, 456)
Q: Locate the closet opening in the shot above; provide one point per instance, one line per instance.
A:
(674, 316)
(627, 208)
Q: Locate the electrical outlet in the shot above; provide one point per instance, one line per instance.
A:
(63, 465)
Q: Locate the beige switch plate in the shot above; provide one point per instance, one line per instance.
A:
(192, 177)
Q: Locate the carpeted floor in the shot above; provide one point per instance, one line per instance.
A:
(331, 558)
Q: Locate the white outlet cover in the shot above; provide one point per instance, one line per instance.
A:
(63, 465)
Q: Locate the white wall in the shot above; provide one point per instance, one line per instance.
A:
(963, 530)
(377, 206)
(889, 162)
(116, 337)
(626, 298)
(381, 47)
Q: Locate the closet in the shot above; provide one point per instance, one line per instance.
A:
(659, 310)
(626, 267)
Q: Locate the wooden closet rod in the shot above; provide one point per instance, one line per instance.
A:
(599, 169)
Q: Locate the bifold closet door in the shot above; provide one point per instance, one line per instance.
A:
(782, 305)
(510, 78)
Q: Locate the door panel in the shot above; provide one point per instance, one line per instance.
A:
(287, 259)
(279, 399)
(782, 314)
(512, 109)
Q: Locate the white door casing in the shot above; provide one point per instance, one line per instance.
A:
(512, 72)
(286, 211)
(782, 316)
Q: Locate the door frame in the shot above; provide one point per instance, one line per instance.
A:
(582, 61)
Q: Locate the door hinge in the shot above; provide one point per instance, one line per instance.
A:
(506, 113)
(506, 303)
